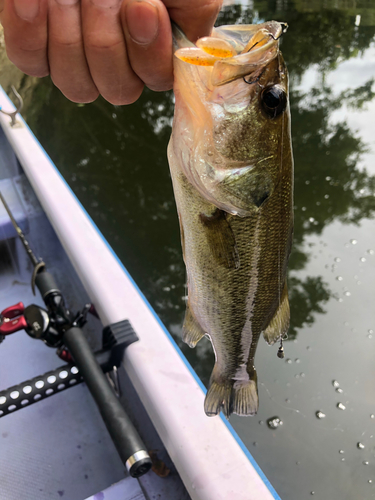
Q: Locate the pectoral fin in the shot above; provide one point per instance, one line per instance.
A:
(279, 324)
(191, 330)
(221, 239)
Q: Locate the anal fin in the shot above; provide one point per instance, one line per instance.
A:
(279, 324)
(191, 330)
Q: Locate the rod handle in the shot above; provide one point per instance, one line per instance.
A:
(125, 437)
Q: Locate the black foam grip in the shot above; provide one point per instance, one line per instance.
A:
(45, 283)
(122, 431)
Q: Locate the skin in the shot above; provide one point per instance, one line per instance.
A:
(108, 47)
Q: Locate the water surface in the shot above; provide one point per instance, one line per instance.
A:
(114, 158)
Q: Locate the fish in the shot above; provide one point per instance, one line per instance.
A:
(231, 164)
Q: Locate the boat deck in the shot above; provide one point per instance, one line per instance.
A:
(59, 447)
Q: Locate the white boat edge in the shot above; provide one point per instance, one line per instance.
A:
(211, 459)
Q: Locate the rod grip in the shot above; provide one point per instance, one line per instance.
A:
(125, 437)
(46, 283)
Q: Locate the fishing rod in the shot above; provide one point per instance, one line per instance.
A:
(59, 328)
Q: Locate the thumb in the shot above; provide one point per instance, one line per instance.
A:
(196, 18)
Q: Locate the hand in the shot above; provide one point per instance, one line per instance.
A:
(107, 47)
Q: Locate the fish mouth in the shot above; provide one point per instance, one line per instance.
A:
(232, 52)
(255, 49)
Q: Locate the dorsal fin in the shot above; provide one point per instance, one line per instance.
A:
(191, 330)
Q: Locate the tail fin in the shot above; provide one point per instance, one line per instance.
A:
(245, 398)
(218, 397)
(240, 397)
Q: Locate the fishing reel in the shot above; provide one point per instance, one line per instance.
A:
(48, 324)
(40, 323)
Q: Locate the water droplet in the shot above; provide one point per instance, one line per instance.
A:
(309, 348)
(341, 452)
(371, 251)
(335, 383)
(302, 375)
(371, 331)
(339, 390)
(369, 336)
(287, 400)
(339, 278)
(348, 294)
(362, 259)
(289, 361)
(274, 422)
(312, 493)
(311, 219)
(320, 414)
(261, 422)
(340, 406)
(297, 360)
(370, 480)
(343, 460)
(326, 196)
(337, 259)
(328, 178)
(361, 446)
(365, 462)
(341, 300)
(255, 443)
(303, 209)
(372, 415)
(353, 242)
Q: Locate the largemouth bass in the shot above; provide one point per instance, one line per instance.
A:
(231, 163)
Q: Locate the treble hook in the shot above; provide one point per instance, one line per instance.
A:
(13, 114)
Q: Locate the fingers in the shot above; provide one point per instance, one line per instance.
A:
(106, 52)
(111, 47)
(196, 18)
(25, 33)
(147, 31)
(68, 66)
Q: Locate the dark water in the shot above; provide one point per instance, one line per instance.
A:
(114, 158)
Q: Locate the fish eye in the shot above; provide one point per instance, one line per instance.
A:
(273, 100)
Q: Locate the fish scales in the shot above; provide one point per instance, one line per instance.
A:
(232, 178)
